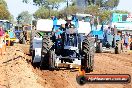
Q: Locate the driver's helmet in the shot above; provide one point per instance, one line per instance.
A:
(69, 18)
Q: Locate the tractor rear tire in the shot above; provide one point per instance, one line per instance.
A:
(131, 46)
(21, 38)
(31, 43)
(89, 50)
(118, 48)
(46, 46)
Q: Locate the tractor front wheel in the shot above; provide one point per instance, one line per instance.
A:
(45, 52)
(88, 48)
(118, 48)
(99, 48)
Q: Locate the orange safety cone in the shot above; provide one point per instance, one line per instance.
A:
(81, 71)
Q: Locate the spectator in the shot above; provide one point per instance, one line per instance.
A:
(1, 31)
(112, 31)
(108, 30)
(126, 40)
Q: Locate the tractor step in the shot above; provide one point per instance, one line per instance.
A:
(105, 50)
(66, 65)
(67, 57)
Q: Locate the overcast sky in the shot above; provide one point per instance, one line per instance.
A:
(17, 6)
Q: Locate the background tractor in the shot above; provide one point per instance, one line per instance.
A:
(10, 35)
(106, 41)
(23, 33)
(63, 48)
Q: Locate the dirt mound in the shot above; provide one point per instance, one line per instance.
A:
(15, 70)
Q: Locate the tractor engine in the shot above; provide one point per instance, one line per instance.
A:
(70, 44)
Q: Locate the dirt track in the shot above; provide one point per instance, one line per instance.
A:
(16, 72)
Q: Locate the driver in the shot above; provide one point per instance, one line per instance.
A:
(68, 23)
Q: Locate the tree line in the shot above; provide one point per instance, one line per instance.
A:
(4, 12)
(101, 8)
(48, 8)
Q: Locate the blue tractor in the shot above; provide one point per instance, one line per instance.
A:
(10, 35)
(108, 41)
(23, 33)
(18, 31)
(64, 47)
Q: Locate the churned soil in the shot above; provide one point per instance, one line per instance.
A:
(16, 71)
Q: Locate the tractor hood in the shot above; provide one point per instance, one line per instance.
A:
(44, 25)
(84, 27)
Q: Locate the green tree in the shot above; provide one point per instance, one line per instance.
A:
(70, 10)
(3, 2)
(105, 16)
(45, 13)
(120, 11)
(110, 4)
(25, 17)
(11, 18)
(93, 10)
(91, 2)
(4, 13)
(104, 4)
(54, 4)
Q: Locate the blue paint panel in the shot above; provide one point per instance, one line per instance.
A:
(109, 37)
(100, 37)
(76, 21)
(117, 37)
(11, 34)
(57, 27)
(98, 33)
(55, 21)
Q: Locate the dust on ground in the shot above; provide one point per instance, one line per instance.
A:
(17, 72)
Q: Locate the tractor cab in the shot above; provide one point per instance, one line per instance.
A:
(65, 38)
(6, 25)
